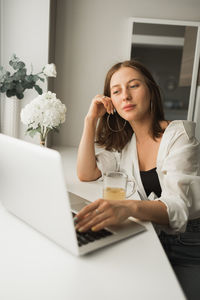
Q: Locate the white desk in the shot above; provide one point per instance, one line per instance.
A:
(34, 268)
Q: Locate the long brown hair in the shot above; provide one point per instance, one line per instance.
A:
(111, 140)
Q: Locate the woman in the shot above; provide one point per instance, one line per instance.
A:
(161, 156)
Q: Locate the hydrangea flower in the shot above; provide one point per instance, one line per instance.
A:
(43, 114)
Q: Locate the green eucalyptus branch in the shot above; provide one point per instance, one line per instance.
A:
(16, 83)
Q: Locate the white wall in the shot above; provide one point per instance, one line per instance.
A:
(197, 113)
(25, 32)
(90, 38)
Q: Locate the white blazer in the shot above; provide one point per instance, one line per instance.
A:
(178, 169)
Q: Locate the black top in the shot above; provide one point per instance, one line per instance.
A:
(151, 182)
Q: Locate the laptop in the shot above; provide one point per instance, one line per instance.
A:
(33, 188)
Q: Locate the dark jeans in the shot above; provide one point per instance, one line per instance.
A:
(183, 251)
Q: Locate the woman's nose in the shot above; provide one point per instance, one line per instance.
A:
(126, 95)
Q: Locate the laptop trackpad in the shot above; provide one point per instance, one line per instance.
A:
(76, 202)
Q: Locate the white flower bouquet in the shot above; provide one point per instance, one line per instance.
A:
(43, 114)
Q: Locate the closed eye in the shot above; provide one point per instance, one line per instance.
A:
(134, 86)
(115, 92)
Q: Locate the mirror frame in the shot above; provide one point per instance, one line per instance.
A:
(192, 98)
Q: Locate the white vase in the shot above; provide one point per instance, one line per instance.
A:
(10, 115)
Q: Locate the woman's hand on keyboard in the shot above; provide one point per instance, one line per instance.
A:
(103, 213)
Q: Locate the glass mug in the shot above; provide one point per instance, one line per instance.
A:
(115, 186)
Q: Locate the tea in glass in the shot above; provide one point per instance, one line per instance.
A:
(114, 193)
(114, 186)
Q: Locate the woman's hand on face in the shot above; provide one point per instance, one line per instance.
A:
(99, 106)
(102, 213)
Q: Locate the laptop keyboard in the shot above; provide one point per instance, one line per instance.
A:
(91, 236)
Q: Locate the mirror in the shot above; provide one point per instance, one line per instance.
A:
(169, 50)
